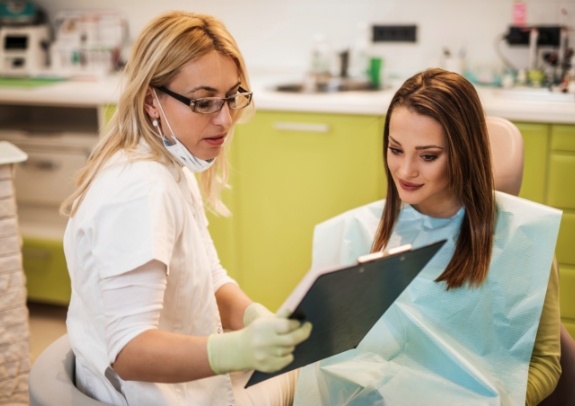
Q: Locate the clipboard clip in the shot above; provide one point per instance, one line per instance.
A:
(377, 255)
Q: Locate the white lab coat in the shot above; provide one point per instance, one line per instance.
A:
(137, 211)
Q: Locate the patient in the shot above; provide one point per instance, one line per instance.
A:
(480, 324)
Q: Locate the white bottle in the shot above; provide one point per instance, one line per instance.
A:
(321, 58)
(360, 53)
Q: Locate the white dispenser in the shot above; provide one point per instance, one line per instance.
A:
(23, 49)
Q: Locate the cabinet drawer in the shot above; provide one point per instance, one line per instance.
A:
(561, 186)
(47, 277)
(47, 177)
(563, 137)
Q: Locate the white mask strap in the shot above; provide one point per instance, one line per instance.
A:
(157, 125)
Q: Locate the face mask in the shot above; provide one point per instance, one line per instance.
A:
(177, 149)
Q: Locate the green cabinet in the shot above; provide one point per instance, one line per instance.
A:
(548, 179)
(291, 171)
(561, 194)
(44, 263)
(57, 140)
(536, 153)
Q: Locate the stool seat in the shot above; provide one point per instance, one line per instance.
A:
(51, 380)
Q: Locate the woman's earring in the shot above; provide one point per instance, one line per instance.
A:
(156, 125)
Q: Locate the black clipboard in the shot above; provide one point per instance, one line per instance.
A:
(344, 304)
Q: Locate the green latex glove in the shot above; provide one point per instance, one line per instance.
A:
(266, 344)
(255, 311)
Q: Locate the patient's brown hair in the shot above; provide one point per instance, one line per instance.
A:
(452, 101)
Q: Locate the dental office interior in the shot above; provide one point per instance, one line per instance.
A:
(322, 73)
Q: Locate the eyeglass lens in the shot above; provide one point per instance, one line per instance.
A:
(214, 104)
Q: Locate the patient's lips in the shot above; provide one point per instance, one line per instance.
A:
(409, 186)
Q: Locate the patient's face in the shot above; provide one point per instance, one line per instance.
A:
(417, 158)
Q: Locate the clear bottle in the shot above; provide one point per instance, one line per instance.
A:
(360, 53)
(321, 66)
(321, 58)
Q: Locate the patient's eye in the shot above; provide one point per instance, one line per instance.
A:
(429, 157)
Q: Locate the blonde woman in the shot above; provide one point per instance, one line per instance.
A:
(154, 319)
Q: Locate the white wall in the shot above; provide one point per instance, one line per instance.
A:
(278, 33)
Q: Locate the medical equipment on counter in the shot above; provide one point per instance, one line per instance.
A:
(23, 50)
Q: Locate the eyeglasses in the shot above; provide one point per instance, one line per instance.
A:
(207, 105)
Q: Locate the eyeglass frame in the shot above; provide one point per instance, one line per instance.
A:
(191, 102)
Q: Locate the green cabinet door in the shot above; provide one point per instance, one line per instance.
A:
(44, 264)
(223, 230)
(561, 182)
(561, 194)
(291, 172)
(536, 147)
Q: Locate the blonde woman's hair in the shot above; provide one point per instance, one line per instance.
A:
(166, 44)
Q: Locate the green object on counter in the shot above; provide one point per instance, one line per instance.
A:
(27, 82)
(536, 77)
(374, 72)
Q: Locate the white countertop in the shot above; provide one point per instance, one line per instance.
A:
(92, 91)
(105, 90)
(513, 105)
(11, 154)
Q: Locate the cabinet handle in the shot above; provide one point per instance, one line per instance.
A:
(303, 127)
(41, 164)
(35, 253)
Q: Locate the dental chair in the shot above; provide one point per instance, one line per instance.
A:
(506, 154)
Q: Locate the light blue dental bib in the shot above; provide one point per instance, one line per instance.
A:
(466, 346)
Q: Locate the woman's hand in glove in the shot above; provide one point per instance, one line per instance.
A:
(266, 344)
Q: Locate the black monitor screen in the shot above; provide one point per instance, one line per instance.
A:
(16, 42)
